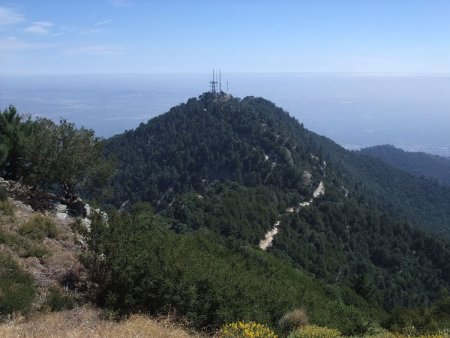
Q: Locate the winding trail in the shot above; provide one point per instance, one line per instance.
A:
(267, 241)
(268, 238)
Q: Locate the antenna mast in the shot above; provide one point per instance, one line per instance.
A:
(216, 83)
(213, 83)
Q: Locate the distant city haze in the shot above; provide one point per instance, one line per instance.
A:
(296, 53)
(355, 110)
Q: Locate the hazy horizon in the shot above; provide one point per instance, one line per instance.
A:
(359, 72)
(355, 111)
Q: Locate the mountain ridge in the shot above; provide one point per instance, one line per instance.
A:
(416, 163)
(234, 166)
(383, 187)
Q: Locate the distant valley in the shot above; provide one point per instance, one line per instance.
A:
(355, 110)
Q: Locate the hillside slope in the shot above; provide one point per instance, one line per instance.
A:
(253, 142)
(238, 167)
(417, 163)
(45, 288)
(50, 262)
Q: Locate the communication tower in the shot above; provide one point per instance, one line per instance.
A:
(216, 83)
(213, 83)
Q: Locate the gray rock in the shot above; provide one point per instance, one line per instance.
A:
(87, 207)
(61, 211)
(62, 215)
(307, 178)
(61, 208)
(86, 223)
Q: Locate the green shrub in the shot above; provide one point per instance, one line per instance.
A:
(78, 228)
(17, 288)
(34, 250)
(58, 300)
(6, 208)
(314, 331)
(22, 246)
(246, 329)
(419, 321)
(349, 319)
(140, 265)
(3, 194)
(293, 320)
(440, 312)
(405, 321)
(38, 227)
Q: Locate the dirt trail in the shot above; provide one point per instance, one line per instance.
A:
(267, 241)
(268, 238)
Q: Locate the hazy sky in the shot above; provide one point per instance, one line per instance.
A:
(135, 36)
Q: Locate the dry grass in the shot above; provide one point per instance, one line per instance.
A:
(52, 258)
(293, 320)
(86, 322)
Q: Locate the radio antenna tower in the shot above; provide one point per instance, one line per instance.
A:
(213, 83)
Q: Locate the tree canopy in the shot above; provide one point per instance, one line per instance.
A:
(12, 139)
(56, 156)
(66, 156)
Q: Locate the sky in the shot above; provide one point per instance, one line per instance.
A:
(190, 36)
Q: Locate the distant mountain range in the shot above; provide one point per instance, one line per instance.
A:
(417, 163)
(246, 170)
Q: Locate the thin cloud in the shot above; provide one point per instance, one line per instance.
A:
(92, 31)
(101, 23)
(120, 3)
(9, 17)
(11, 43)
(63, 30)
(98, 50)
(39, 27)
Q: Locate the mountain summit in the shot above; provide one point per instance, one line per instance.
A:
(245, 169)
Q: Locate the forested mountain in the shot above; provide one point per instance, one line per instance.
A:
(135, 260)
(252, 142)
(417, 163)
(239, 166)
